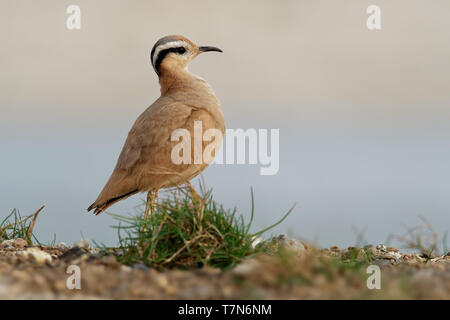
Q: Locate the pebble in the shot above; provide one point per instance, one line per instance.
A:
(140, 266)
(206, 270)
(125, 268)
(291, 243)
(382, 262)
(7, 243)
(296, 245)
(14, 243)
(20, 243)
(247, 267)
(62, 245)
(83, 243)
(391, 255)
(36, 255)
(72, 254)
(256, 241)
(354, 253)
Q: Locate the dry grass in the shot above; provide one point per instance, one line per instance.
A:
(187, 231)
(15, 226)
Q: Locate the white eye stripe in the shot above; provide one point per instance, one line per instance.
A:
(168, 45)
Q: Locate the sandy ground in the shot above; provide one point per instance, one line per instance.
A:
(303, 272)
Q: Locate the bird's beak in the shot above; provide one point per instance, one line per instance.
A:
(208, 48)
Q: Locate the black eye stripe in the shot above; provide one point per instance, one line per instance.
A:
(163, 53)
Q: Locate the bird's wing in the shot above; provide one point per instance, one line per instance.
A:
(152, 131)
(145, 147)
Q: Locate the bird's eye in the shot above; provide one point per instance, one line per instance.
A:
(181, 50)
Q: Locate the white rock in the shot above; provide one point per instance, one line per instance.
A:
(256, 241)
(38, 256)
(125, 268)
(7, 242)
(291, 243)
(94, 250)
(295, 245)
(61, 245)
(395, 255)
(247, 267)
(83, 243)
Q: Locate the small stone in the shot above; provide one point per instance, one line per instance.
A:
(94, 257)
(247, 267)
(83, 243)
(37, 256)
(256, 241)
(392, 255)
(290, 243)
(381, 247)
(295, 245)
(201, 291)
(437, 259)
(373, 252)
(206, 270)
(353, 253)
(391, 249)
(7, 243)
(419, 258)
(61, 245)
(140, 266)
(125, 268)
(161, 280)
(362, 255)
(94, 251)
(109, 261)
(19, 243)
(383, 262)
(72, 254)
(407, 257)
(335, 248)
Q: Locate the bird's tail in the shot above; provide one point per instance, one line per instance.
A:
(99, 207)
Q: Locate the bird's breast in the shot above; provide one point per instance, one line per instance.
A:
(197, 93)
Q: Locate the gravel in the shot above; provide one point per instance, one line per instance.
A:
(39, 272)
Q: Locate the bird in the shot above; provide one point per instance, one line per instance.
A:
(145, 163)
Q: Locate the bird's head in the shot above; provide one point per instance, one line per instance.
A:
(175, 52)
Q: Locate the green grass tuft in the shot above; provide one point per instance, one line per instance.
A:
(188, 232)
(15, 226)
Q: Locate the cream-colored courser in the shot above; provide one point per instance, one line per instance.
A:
(145, 163)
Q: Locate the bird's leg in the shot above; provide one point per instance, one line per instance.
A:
(196, 196)
(194, 193)
(154, 199)
(150, 205)
(198, 202)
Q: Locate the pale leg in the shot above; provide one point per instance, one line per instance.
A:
(150, 206)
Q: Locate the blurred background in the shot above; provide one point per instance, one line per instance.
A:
(363, 115)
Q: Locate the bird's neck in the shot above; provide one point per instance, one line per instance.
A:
(175, 79)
